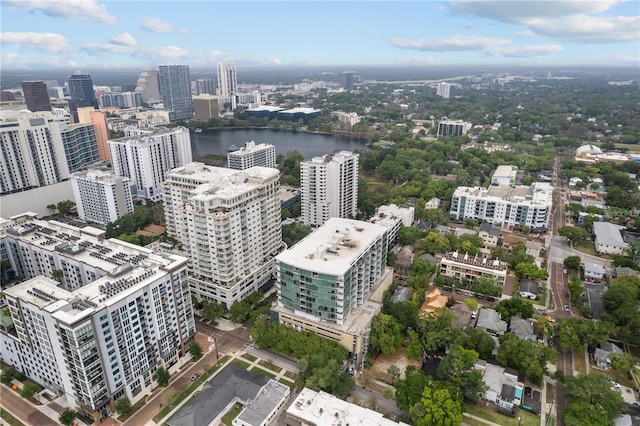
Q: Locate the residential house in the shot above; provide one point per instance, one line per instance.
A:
(528, 288)
(602, 355)
(593, 272)
(623, 271)
(402, 294)
(523, 328)
(574, 181)
(503, 387)
(490, 321)
(462, 314)
(609, 238)
(433, 301)
(534, 248)
(489, 234)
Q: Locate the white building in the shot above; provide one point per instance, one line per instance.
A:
(228, 221)
(147, 156)
(321, 408)
(251, 99)
(119, 313)
(609, 238)
(329, 186)
(100, 196)
(250, 155)
(227, 80)
(393, 217)
(443, 90)
(349, 119)
(326, 281)
(512, 206)
(453, 128)
(33, 152)
(504, 176)
(148, 86)
(467, 268)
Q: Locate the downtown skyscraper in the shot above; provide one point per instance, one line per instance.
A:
(82, 93)
(227, 80)
(175, 88)
(36, 95)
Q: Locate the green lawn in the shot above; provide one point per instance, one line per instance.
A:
(528, 419)
(262, 372)
(240, 363)
(629, 146)
(287, 383)
(586, 247)
(232, 414)
(249, 357)
(290, 375)
(580, 363)
(7, 417)
(270, 366)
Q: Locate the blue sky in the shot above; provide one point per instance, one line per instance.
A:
(92, 34)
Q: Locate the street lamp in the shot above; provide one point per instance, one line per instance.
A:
(215, 346)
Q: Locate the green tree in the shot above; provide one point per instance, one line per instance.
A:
(212, 310)
(581, 413)
(529, 270)
(294, 232)
(572, 263)
(457, 368)
(574, 234)
(65, 207)
(386, 334)
(414, 349)
(28, 391)
(480, 341)
(387, 393)
(394, 372)
(622, 363)
(239, 312)
(58, 275)
(515, 306)
(580, 333)
(528, 356)
(195, 350)
(52, 208)
(486, 285)
(595, 391)
(409, 389)
(409, 235)
(123, 406)
(437, 407)
(162, 376)
(472, 304)
(434, 243)
(67, 416)
(621, 303)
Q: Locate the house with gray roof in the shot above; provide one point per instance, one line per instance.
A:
(523, 328)
(218, 395)
(528, 288)
(402, 294)
(489, 234)
(602, 355)
(593, 271)
(263, 408)
(623, 271)
(490, 321)
(609, 238)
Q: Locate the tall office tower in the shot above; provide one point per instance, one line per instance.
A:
(227, 81)
(80, 146)
(444, 90)
(36, 95)
(148, 86)
(205, 86)
(347, 80)
(229, 223)
(100, 196)
(88, 115)
(175, 88)
(206, 107)
(325, 282)
(147, 156)
(252, 155)
(82, 93)
(100, 331)
(33, 153)
(329, 186)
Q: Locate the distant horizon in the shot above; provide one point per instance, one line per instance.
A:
(110, 35)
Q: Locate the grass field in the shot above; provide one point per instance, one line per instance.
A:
(522, 418)
(232, 414)
(249, 357)
(629, 146)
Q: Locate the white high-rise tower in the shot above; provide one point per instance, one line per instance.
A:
(227, 81)
(329, 186)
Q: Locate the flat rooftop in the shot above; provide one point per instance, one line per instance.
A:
(334, 247)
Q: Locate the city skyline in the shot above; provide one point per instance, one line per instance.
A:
(133, 35)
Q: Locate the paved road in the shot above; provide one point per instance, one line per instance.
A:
(22, 410)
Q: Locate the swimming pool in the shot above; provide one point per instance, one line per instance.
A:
(518, 393)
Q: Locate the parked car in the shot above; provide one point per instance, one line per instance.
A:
(195, 377)
(564, 270)
(566, 308)
(548, 318)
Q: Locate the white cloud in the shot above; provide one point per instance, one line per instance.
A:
(100, 48)
(30, 62)
(567, 20)
(448, 44)
(45, 42)
(467, 25)
(124, 39)
(525, 51)
(155, 25)
(517, 11)
(590, 29)
(526, 33)
(68, 9)
(162, 53)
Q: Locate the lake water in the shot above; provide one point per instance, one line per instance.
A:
(308, 144)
